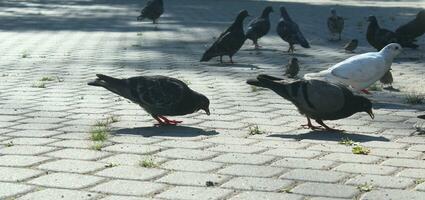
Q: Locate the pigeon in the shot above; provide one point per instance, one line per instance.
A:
(379, 37)
(289, 31)
(387, 79)
(351, 46)
(412, 29)
(152, 10)
(420, 125)
(292, 68)
(316, 99)
(229, 42)
(158, 95)
(259, 27)
(360, 71)
(335, 24)
(421, 116)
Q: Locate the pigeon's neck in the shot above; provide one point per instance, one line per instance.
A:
(237, 25)
(388, 57)
(265, 14)
(286, 16)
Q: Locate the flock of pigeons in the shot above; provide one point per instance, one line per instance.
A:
(325, 95)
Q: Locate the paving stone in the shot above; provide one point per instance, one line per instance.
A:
(131, 172)
(187, 154)
(26, 150)
(280, 144)
(33, 133)
(387, 145)
(63, 194)
(66, 180)
(396, 153)
(399, 162)
(230, 140)
(343, 157)
(125, 187)
(191, 178)
(382, 181)
(132, 148)
(114, 197)
(420, 187)
(85, 144)
(30, 141)
(237, 148)
(131, 159)
(238, 158)
(184, 144)
(296, 153)
(37, 126)
(326, 190)
(80, 154)
(303, 163)
(419, 147)
(412, 140)
(251, 170)
(12, 189)
(10, 174)
(251, 195)
(386, 194)
(331, 148)
(134, 139)
(73, 166)
(21, 161)
(413, 173)
(365, 169)
(261, 184)
(194, 193)
(325, 198)
(191, 165)
(314, 175)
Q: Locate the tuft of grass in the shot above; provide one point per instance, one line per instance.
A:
(47, 78)
(254, 88)
(139, 34)
(358, 149)
(39, 85)
(346, 141)
(148, 162)
(419, 181)
(255, 130)
(97, 146)
(99, 133)
(285, 190)
(109, 165)
(25, 55)
(365, 187)
(9, 144)
(415, 99)
(375, 87)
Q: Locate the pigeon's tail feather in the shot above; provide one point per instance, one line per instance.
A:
(421, 116)
(274, 83)
(208, 55)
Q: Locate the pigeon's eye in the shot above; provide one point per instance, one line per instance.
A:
(396, 48)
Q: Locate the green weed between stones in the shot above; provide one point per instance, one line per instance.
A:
(100, 132)
(39, 85)
(346, 141)
(375, 87)
(358, 149)
(97, 146)
(415, 98)
(255, 130)
(365, 187)
(148, 162)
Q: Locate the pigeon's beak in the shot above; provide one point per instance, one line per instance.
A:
(207, 110)
(370, 114)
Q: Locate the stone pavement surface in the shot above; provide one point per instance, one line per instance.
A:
(50, 49)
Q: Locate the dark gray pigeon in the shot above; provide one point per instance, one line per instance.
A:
(229, 42)
(351, 46)
(318, 100)
(413, 29)
(289, 31)
(421, 116)
(379, 37)
(387, 79)
(159, 95)
(292, 68)
(152, 10)
(259, 27)
(335, 24)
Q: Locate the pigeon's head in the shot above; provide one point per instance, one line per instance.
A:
(294, 60)
(392, 49)
(242, 15)
(372, 19)
(204, 104)
(421, 15)
(362, 104)
(267, 10)
(354, 41)
(333, 12)
(284, 13)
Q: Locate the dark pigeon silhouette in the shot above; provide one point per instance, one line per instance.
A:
(335, 24)
(421, 116)
(229, 42)
(292, 68)
(387, 79)
(289, 31)
(259, 27)
(318, 100)
(413, 29)
(152, 10)
(158, 95)
(351, 46)
(380, 37)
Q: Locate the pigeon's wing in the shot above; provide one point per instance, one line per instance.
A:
(259, 26)
(301, 39)
(158, 92)
(322, 97)
(385, 36)
(359, 68)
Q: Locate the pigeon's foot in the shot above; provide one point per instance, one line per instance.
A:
(365, 91)
(309, 125)
(231, 60)
(169, 122)
(327, 127)
(256, 46)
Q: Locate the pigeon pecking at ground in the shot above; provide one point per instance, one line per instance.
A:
(351, 46)
(387, 79)
(335, 24)
(380, 37)
(152, 10)
(420, 125)
(292, 68)
(360, 71)
(413, 29)
(316, 99)
(259, 26)
(289, 31)
(158, 95)
(229, 42)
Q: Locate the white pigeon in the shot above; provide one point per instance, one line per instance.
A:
(360, 71)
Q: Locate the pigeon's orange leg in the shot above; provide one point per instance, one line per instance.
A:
(310, 125)
(231, 60)
(160, 122)
(221, 59)
(319, 121)
(169, 122)
(365, 91)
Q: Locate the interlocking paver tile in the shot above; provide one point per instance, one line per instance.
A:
(125, 187)
(314, 175)
(326, 190)
(251, 170)
(63, 194)
(303, 163)
(343, 157)
(131, 159)
(413, 173)
(26, 150)
(365, 169)
(295, 153)
(191, 178)
(261, 184)
(239, 158)
(131, 172)
(21, 160)
(132, 148)
(191, 165)
(66, 180)
(381, 181)
(33, 133)
(30, 141)
(266, 195)
(194, 193)
(72, 166)
(187, 154)
(10, 174)
(386, 194)
(237, 148)
(12, 189)
(399, 162)
(80, 154)
(115, 197)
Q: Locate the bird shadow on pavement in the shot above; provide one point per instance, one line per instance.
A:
(260, 49)
(168, 131)
(295, 54)
(240, 65)
(332, 136)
